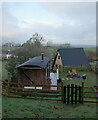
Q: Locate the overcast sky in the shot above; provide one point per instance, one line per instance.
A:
(73, 23)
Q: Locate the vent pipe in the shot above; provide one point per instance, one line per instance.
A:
(42, 56)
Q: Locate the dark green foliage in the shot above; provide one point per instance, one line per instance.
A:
(33, 47)
(82, 68)
(10, 67)
(79, 68)
(29, 51)
(67, 68)
(91, 55)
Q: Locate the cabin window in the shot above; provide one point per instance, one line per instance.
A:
(58, 57)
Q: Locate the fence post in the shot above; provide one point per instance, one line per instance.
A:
(62, 89)
(79, 94)
(68, 94)
(75, 94)
(64, 94)
(8, 88)
(57, 84)
(35, 91)
(82, 92)
(72, 93)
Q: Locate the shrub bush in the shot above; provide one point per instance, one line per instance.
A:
(82, 68)
(79, 68)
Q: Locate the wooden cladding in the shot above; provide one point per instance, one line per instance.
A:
(58, 62)
(72, 94)
(30, 68)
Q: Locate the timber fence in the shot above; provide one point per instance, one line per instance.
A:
(68, 94)
(18, 90)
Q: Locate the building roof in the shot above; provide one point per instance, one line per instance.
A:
(6, 52)
(36, 61)
(73, 56)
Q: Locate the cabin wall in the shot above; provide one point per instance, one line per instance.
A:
(37, 76)
(58, 62)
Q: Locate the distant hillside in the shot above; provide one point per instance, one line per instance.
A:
(84, 46)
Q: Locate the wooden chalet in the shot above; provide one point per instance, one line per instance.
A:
(70, 57)
(35, 71)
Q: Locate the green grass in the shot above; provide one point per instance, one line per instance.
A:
(90, 81)
(27, 108)
(90, 49)
(50, 47)
(23, 108)
(53, 49)
(3, 70)
(0, 69)
(8, 48)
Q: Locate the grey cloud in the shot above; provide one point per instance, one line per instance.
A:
(77, 26)
(81, 13)
(72, 10)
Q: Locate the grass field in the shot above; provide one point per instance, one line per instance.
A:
(90, 49)
(90, 81)
(3, 70)
(51, 49)
(23, 108)
(0, 69)
(8, 48)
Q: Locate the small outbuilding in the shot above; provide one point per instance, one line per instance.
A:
(35, 71)
(70, 57)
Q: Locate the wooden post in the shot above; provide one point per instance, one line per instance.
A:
(35, 90)
(68, 94)
(64, 94)
(82, 92)
(75, 94)
(72, 93)
(57, 84)
(79, 94)
(62, 91)
(57, 73)
(8, 88)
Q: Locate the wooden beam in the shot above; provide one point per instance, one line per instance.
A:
(38, 94)
(36, 98)
(30, 68)
(28, 77)
(26, 84)
(91, 97)
(91, 87)
(39, 90)
(91, 92)
(91, 101)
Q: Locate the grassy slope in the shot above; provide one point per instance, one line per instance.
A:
(90, 49)
(22, 108)
(0, 69)
(3, 70)
(9, 48)
(90, 81)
